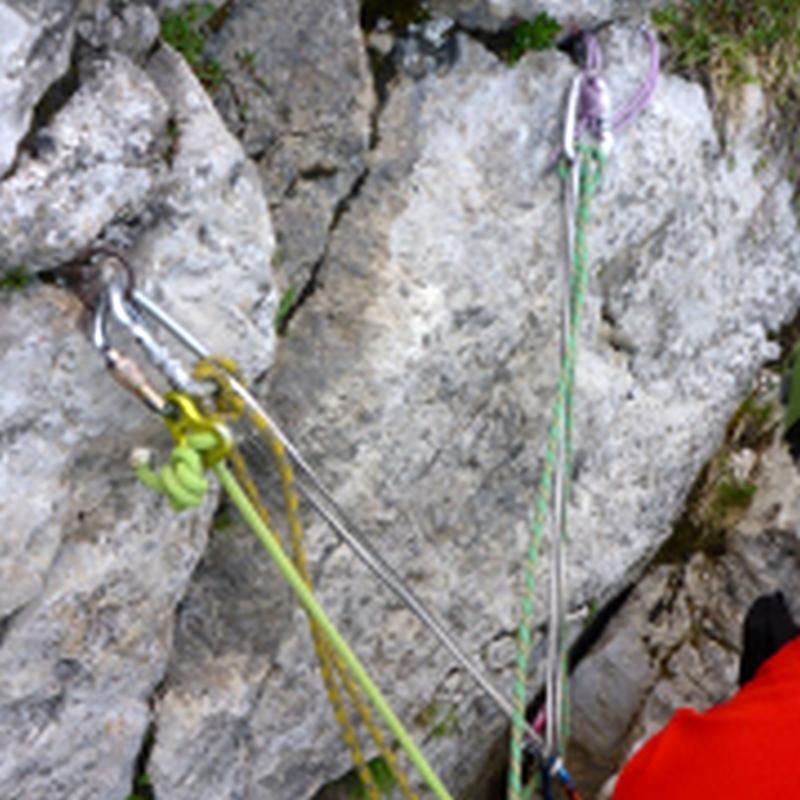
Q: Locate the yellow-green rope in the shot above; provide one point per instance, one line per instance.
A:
(309, 602)
(330, 664)
(182, 488)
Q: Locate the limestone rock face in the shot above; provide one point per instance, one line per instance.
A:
(92, 565)
(298, 92)
(677, 641)
(491, 14)
(417, 377)
(209, 239)
(34, 52)
(97, 160)
(420, 375)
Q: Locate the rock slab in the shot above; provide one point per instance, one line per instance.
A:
(92, 565)
(420, 375)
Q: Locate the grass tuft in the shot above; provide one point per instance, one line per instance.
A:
(187, 31)
(727, 44)
(539, 33)
(15, 280)
(285, 308)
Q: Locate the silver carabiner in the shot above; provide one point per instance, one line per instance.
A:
(571, 117)
(115, 301)
(158, 355)
(125, 371)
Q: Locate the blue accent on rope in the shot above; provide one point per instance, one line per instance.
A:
(561, 773)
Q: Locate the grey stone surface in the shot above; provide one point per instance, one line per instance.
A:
(298, 92)
(97, 161)
(420, 375)
(418, 378)
(492, 15)
(131, 29)
(208, 244)
(34, 52)
(677, 641)
(92, 565)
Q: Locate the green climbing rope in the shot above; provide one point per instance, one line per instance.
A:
(181, 481)
(309, 602)
(591, 167)
(332, 669)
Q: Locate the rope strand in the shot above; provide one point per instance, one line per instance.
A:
(330, 663)
(591, 166)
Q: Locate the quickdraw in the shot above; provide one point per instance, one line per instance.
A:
(588, 111)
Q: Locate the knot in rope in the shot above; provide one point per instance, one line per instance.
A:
(219, 370)
(182, 479)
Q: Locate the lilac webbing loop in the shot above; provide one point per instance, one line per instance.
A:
(645, 92)
(592, 109)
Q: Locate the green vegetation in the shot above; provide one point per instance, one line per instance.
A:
(731, 42)
(732, 495)
(248, 62)
(187, 31)
(726, 44)
(721, 495)
(173, 133)
(351, 787)
(247, 58)
(142, 788)
(15, 280)
(439, 719)
(382, 775)
(285, 308)
(540, 33)
(223, 517)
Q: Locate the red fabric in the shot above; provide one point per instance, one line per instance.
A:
(745, 749)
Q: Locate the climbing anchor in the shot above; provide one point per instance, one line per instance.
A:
(128, 306)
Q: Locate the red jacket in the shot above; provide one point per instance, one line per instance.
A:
(745, 749)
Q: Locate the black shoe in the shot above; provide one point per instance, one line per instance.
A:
(768, 626)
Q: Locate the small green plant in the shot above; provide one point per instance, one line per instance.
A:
(247, 61)
(247, 58)
(350, 785)
(539, 33)
(173, 133)
(382, 775)
(720, 496)
(440, 719)
(15, 280)
(728, 43)
(142, 788)
(223, 519)
(285, 307)
(733, 495)
(187, 31)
